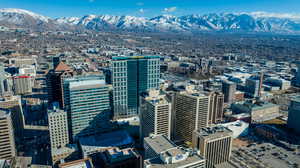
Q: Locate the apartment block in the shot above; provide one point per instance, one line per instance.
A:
(214, 144)
(155, 114)
(191, 112)
(7, 138)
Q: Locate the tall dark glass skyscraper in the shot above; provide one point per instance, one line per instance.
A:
(298, 74)
(132, 76)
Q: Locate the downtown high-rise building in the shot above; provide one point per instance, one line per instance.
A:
(214, 144)
(55, 61)
(87, 102)
(132, 76)
(253, 87)
(228, 89)
(7, 139)
(22, 84)
(5, 81)
(298, 74)
(160, 152)
(191, 112)
(59, 134)
(58, 127)
(155, 114)
(294, 114)
(54, 80)
(216, 104)
(13, 104)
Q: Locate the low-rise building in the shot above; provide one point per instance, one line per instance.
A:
(116, 158)
(82, 163)
(238, 128)
(277, 82)
(260, 111)
(160, 152)
(99, 143)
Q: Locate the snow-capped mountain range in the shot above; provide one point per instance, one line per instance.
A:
(232, 22)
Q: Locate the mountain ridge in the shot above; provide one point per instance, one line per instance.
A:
(231, 22)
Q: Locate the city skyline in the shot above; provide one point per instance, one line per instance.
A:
(148, 84)
(68, 8)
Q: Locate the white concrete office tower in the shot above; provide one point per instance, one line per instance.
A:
(294, 114)
(7, 139)
(87, 103)
(214, 144)
(132, 76)
(22, 84)
(155, 114)
(58, 127)
(160, 152)
(191, 110)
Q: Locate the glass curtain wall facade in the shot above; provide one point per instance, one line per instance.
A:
(132, 76)
(87, 105)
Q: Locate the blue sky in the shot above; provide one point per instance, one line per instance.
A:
(149, 8)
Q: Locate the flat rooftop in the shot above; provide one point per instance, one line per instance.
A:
(159, 143)
(214, 132)
(193, 92)
(21, 161)
(264, 105)
(160, 100)
(158, 163)
(117, 154)
(69, 148)
(83, 163)
(86, 84)
(105, 141)
(134, 57)
(235, 125)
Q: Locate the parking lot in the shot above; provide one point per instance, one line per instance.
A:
(265, 155)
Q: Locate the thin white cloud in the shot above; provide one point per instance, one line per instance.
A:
(275, 15)
(142, 10)
(169, 10)
(140, 4)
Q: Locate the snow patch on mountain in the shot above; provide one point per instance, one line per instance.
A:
(10, 12)
(68, 20)
(245, 22)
